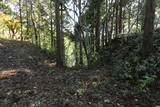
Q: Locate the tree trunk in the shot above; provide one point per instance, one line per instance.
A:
(27, 16)
(147, 46)
(51, 24)
(34, 24)
(59, 49)
(61, 28)
(137, 18)
(120, 16)
(80, 36)
(129, 19)
(103, 35)
(20, 13)
(116, 29)
(97, 26)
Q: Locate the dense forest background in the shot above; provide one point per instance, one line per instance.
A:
(84, 28)
(120, 38)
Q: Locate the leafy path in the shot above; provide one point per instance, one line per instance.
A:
(28, 79)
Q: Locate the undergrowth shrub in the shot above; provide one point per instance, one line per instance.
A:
(127, 65)
(145, 82)
(142, 73)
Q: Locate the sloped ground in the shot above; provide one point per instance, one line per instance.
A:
(21, 66)
(16, 54)
(28, 79)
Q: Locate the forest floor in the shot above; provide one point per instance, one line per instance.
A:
(29, 79)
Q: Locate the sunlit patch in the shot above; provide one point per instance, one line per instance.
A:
(30, 57)
(1, 44)
(50, 64)
(10, 72)
(24, 70)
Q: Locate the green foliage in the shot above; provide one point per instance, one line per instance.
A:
(145, 82)
(122, 70)
(129, 66)
(51, 71)
(5, 8)
(136, 59)
(13, 25)
(81, 91)
(94, 84)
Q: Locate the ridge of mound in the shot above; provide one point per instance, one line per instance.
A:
(15, 54)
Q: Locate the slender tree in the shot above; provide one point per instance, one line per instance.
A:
(97, 24)
(59, 48)
(80, 35)
(20, 13)
(51, 24)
